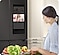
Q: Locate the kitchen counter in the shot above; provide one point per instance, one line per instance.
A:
(25, 54)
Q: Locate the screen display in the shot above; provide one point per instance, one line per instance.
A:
(18, 17)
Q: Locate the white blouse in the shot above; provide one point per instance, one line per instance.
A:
(51, 41)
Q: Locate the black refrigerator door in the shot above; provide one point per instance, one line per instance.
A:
(18, 30)
(4, 20)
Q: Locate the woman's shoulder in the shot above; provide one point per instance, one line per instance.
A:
(53, 28)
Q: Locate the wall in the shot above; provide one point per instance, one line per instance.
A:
(35, 7)
(34, 20)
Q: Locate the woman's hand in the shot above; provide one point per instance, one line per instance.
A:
(34, 50)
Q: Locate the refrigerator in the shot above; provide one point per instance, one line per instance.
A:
(13, 23)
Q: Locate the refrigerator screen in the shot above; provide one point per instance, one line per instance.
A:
(18, 17)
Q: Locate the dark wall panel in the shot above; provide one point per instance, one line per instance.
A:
(4, 20)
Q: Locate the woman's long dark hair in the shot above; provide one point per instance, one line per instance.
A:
(49, 11)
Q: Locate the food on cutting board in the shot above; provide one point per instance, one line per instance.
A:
(15, 50)
(5, 51)
(24, 49)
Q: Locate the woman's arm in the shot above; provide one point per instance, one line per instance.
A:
(42, 51)
(45, 52)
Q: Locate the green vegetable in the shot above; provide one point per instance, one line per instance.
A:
(14, 50)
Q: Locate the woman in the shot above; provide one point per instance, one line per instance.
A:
(51, 41)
